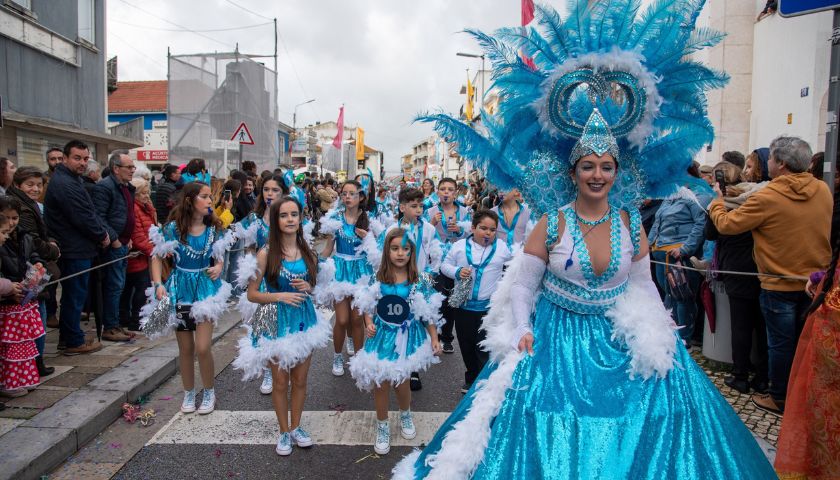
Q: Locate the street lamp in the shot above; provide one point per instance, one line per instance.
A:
(475, 55)
(294, 124)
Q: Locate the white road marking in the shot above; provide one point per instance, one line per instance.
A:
(228, 427)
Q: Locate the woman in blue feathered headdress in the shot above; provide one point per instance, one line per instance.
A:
(587, 378)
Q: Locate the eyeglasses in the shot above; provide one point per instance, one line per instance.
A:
(132, 167)
(349, 194)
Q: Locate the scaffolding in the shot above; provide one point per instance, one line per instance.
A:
(209, 96)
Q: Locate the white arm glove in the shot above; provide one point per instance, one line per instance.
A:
(523, 294)
(640, 275)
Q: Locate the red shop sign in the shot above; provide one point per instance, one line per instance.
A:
(154, 155)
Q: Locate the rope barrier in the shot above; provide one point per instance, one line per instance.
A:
(730, 272)
(58, 280)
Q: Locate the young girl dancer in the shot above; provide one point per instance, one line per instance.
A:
(350, 267)
(253, 232)
(401, 317)
(285, 274)
(481, 258)
(197, 296)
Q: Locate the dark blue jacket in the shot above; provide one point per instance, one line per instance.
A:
(110, 205)
(71, 218)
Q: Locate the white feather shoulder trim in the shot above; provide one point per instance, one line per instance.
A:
(162, 247)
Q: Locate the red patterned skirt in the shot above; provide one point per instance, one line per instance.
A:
(809, 443)
(20, 325)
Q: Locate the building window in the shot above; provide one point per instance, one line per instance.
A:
(27, 4)
(87, 21)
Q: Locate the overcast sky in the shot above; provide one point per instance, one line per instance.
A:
(386, 60)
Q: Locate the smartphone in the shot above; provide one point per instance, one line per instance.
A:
(720, 178)
(226, 195)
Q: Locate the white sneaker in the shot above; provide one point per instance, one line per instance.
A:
(284, 444)
(301, 438)
(208, 402)
(383, 438)
(188, 405)
(407, 429)
(338, 365)
(267, 383)
(351, 349)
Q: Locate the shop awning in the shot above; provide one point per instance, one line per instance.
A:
(37, 124)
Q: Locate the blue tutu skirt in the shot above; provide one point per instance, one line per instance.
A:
(350, 275)
(390, 356)
(300, 330)
(572, 412)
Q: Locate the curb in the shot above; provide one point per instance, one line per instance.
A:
(43, 442)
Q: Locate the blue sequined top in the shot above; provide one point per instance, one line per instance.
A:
(346, 239)
(262, 229)
(290, 270)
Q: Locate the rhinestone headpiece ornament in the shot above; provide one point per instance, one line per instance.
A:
(596, 139)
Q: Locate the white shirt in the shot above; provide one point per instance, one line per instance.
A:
(491, 274)
(429, 251)
(518, 229)
(463, 217)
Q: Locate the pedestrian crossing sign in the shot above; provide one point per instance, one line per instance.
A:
(242, 135)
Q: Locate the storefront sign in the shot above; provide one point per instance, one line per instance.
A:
(153, 155)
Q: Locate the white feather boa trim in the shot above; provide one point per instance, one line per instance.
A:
(246, 270)
(645, 327)
(308, 228)
(248, 236)
(462, 449)
(370, 248)
(376, 227)
(365, 299)
(162, 247)
(369, 371)
(213, 307)
(329, 224)
(286, 352)
(246, 308)
(221, 246)
(427, 309)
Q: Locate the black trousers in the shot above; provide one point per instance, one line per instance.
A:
(746, 319)
(133, 297)
(467, 324)
(444, 285)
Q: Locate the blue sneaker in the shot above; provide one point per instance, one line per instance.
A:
(301, 438)
(284, 444)
(383, 438)
(188, 405)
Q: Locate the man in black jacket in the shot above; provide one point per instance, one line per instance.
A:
(113, 198)
(165, 192)
(73, 222)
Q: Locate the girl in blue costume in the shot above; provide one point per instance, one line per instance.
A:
(197, 296)
(402, 312)
(587, 378)
(285, 341)
(429, 251)
(430, 197)
(514, 219)
(352, 249)
(252, 232)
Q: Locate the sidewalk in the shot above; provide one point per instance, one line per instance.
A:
(83, 396)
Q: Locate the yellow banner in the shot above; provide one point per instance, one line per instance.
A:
(360, 144)
(468, 109)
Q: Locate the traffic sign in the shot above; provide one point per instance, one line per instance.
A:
(793, 8)
(219, 143)
(242, 135)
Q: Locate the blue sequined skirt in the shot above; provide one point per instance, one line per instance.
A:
(350, 271)
(186, 287)
(390, 356)
(291, 320)
(573, 413)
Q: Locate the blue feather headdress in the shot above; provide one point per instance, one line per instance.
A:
(633, 67)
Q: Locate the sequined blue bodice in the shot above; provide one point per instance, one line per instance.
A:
(197, 252)
(290, 270)
(399, 289)
(346, 239)
(570, 281)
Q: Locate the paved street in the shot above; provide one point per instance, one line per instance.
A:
(237, 440)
